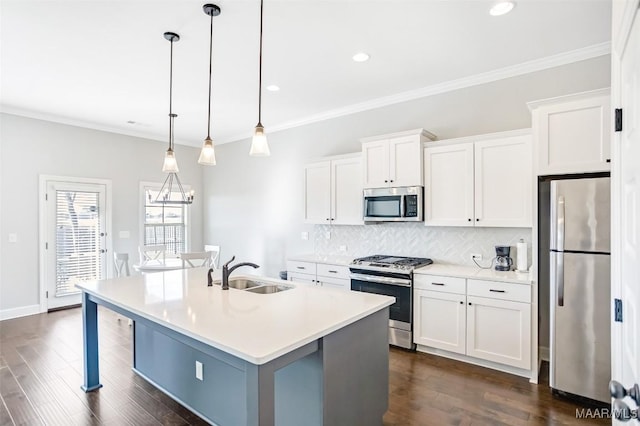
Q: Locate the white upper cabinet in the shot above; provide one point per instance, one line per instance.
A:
(504, 182)
(448, 185)
(573, 133)
(346, 191)
(485, 180)
(317, 192)
(333, 191)
(394, 160)
(376, 164)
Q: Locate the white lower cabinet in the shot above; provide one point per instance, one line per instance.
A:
(440, 320)
(320, 274)
(487, 320)
(499, 331)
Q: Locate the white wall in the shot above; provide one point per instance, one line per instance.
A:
(33, 147)
(254, 205)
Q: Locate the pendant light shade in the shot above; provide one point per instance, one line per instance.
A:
(170, 164)
(259, 144)
(207, 154)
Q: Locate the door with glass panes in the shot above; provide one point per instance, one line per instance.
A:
(76, 239)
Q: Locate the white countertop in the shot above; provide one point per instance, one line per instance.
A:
(475, 273)
(255, 327)
(323, 258)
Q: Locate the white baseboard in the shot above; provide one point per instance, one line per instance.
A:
(22, 311)
(543, 352)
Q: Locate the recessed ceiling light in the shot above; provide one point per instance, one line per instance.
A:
(273, 88)
(360, 57)
(501, 8)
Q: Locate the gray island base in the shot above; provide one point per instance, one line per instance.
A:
(339, 379)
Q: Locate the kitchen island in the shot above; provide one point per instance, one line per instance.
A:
(305, 355)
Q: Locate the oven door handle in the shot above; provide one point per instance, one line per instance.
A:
(381, 280)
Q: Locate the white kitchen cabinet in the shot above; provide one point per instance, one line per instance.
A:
(485, 180)
(499, 331)
(319, 274)
(448, 185)
(503, 182)
(394, 160)
(487, 320)
(440, 320)
(333, 191)
(573, 133)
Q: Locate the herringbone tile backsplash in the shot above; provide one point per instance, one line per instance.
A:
(442, 244)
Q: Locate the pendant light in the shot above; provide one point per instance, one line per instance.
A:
(207, 154)
(170, 164)
(259, 145)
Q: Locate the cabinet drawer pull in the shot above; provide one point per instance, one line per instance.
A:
(301, 267)
(497, 291)
(334, 272)
(441, 284)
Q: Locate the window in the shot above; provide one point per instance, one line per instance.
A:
(165, 224)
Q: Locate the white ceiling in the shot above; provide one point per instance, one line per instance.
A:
(100, 64)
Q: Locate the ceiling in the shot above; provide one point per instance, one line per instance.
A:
(105, 64)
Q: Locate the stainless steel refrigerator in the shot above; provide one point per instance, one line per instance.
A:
(579, 277)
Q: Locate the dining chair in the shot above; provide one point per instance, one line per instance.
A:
(215, 257)
(121, 263)
(152, 253)
(196, 259)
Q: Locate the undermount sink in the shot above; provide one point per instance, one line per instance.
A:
(243, 284)
(269, 289)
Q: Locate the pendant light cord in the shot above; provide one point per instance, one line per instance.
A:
(171, 97)
(260, 72)
(210, 68)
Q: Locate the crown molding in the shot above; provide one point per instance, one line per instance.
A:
(547, 62)
(541, 64)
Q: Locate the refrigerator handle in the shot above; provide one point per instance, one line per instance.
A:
(560, 277)
(560, 225)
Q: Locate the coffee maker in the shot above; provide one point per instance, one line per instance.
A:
(503, 261)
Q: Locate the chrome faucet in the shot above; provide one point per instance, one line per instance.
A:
(226, 271)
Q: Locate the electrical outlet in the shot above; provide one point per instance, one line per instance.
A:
(304, 235)
(476, 256)
(343, 248)
(199, 372)
(13, 238)
(327, 235)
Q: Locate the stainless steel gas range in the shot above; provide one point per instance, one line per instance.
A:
(391, 276)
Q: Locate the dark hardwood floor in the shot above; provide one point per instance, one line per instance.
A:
(41, 373)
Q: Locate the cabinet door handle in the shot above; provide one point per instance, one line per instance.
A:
(301, 267)
(497, 291)
(469, 303)
(608, 160)
(462, 303)
(469, 219)
(477, 220)
(441, 284)
(386, 181)
(327, 219)
(391, 180)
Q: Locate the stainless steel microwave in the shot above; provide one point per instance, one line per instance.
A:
(402, 204)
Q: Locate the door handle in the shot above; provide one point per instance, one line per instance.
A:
(623, 412)
(619, 392)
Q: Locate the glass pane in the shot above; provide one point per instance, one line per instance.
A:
(383, 207)
(173, 215)
(77, 240)
(153, 214)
